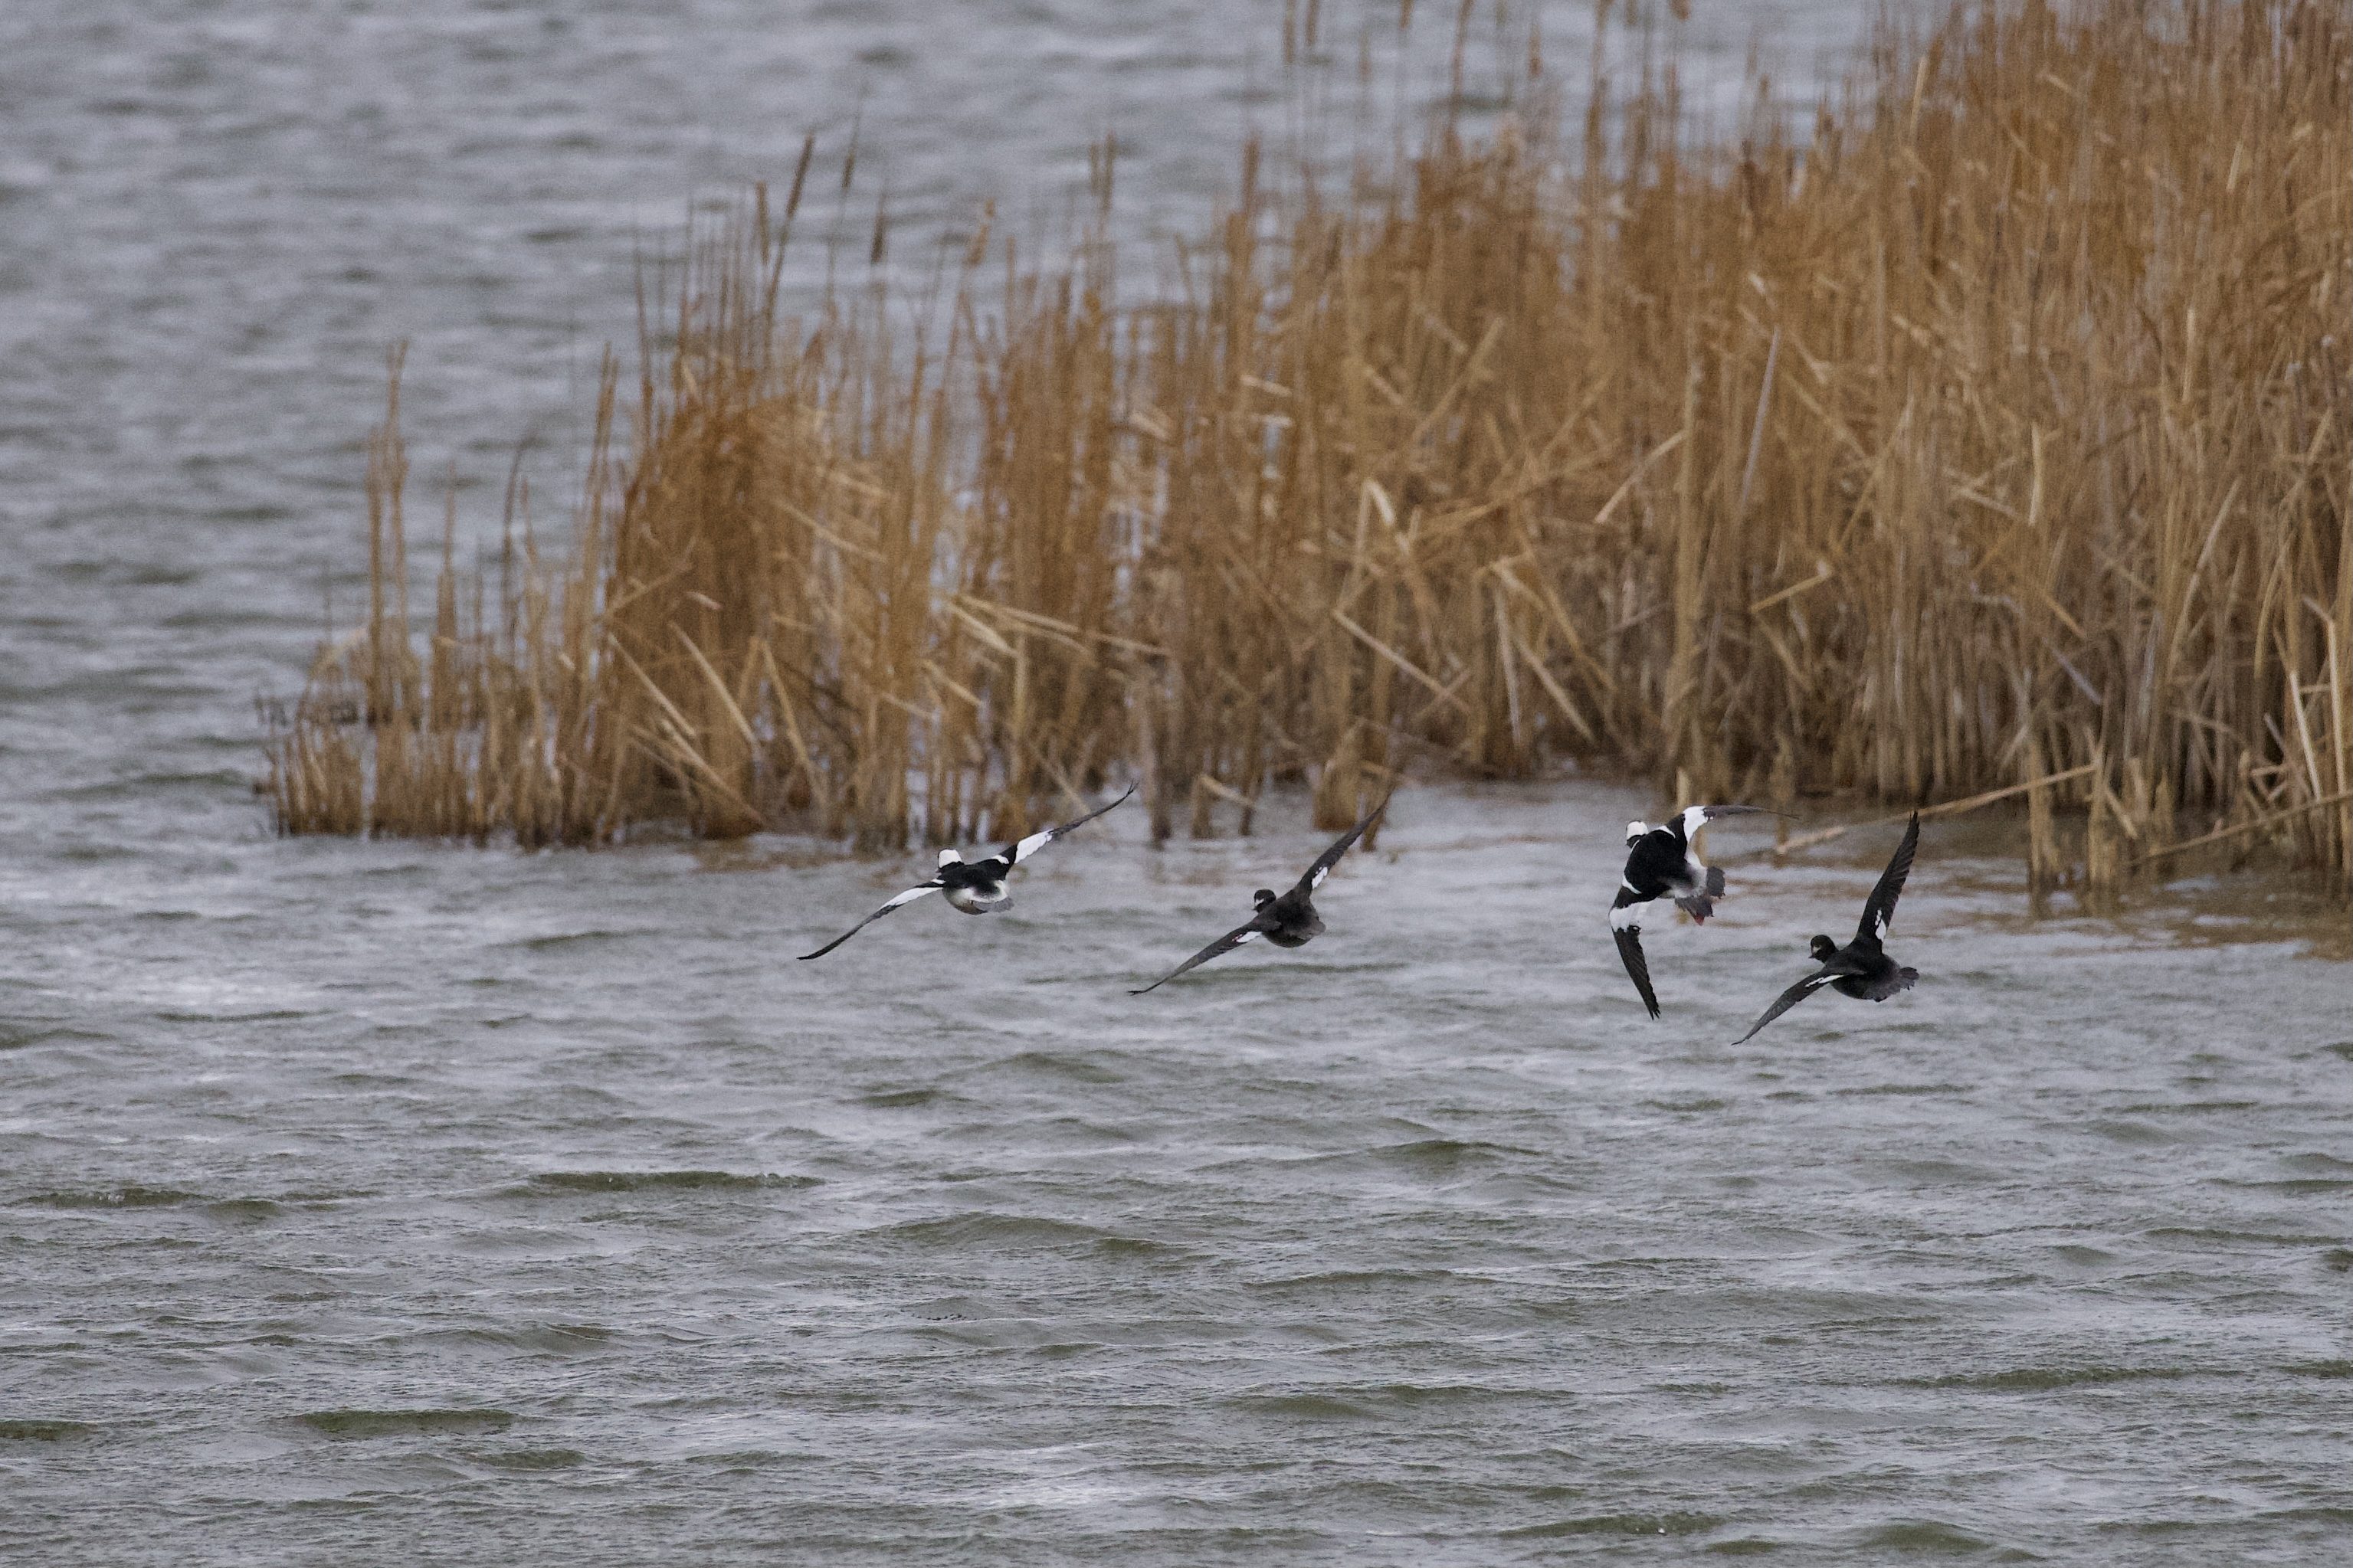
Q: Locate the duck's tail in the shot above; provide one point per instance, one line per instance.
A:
(1701, 905)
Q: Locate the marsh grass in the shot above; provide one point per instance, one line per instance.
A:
(1992, 428)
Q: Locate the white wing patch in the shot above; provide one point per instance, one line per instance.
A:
(1629, 918)
(911, 894)
(1246, 936)
(1695, 819)
(1031, 844)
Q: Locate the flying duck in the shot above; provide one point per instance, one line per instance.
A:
(1660, 863)
(1290, 920)
(976, 887)
(1860, 968)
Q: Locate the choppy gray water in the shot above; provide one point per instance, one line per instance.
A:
(415, 1204)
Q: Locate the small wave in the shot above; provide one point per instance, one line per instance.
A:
(561, 1338)
(1305, 1406)
(1355, 1279)
(2083, 1256)
(901, 1098)
(1925, 1536)
(2213, 1232)
(2123, 1132)
(1076, 1068)
(1872, 1091)
(269, 1016)
(983, 1229)
(665, 1181)
(1436, 1156)
(536, 1459)
(561, 939)
(1445, 1153)
(2036, 1379)
(2322, 1513)
(37, 1431)
(406, 1423)
(1139, 1247)
(1619, 1524)
(15, 1039)
(134, 786)
(1944, 1171)
(2329, 1369)
(125, 1197)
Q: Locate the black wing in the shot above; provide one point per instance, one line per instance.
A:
(909, 897)
(1629, 948)
(1626, 925)
(1793, 996)
(1331, 858)
(1021, 848)
(1879, 909)
(1258, 925)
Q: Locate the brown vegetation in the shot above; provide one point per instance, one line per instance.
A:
(1994, 429)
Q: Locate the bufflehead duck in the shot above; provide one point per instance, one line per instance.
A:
(1860, 968)
(1660, 863)
(1290, 920)
(976, 887)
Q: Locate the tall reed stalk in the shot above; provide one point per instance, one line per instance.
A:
(1996, 425)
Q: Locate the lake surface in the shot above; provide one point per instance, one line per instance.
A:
(397, 1201)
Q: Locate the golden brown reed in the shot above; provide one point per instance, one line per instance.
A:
(1995, 430)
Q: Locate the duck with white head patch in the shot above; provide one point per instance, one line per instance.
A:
(1861, 969)
(976, 887)
(1286, 919)
(1662, 864)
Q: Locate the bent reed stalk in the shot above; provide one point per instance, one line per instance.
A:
(1993, 430)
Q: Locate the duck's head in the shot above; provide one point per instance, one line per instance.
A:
(950, 858)
(1264, 897)
(1822, 949)
(1634, 831)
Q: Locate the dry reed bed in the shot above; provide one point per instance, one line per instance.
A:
(1995, 430)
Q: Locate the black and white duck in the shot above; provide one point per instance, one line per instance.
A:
(976, 887)
(1662, 864)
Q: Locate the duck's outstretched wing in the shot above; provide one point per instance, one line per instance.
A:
(1626, 925)
(1021, 848)
(1331, 858)
(909, 897)
(1257, 927)
(1879, 909)
(1698, 817)
(1793, 996)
